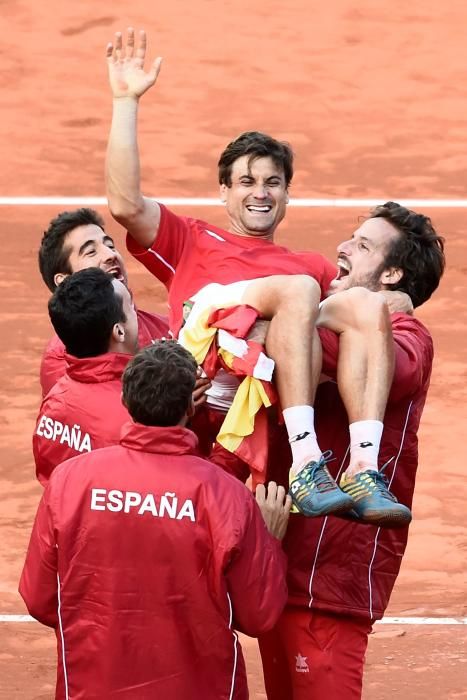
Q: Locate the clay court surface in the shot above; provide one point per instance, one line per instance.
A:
(374, 102)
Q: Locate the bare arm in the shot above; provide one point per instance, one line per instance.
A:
(128, 82)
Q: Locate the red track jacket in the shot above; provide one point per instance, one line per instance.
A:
(143, 557)
(82, 412)
(340, 566)
(53, 364)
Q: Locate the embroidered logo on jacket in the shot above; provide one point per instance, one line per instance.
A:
(301, 665)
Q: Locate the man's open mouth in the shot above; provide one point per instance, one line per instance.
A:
(116, 272)
(343, 268)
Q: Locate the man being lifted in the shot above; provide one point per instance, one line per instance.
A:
(186, 254)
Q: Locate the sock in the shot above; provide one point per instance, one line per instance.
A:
(365, 439)
(299, 421)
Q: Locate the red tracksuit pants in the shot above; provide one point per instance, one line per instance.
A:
(312, 655)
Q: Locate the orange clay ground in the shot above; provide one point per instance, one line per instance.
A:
(373, 101)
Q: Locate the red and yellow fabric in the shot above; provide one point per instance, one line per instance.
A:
(244, 431)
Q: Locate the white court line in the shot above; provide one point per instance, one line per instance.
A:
(384, 621)
(214, 202)
(423, 621)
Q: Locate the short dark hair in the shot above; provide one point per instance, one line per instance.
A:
(255, 144)
(418, 251)
(158, 384)
(53, 253)
(84, 309)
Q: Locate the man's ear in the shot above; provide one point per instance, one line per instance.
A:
(223, 193)
(287, 198)
(392, 275)
(59, 277)
(118, 333)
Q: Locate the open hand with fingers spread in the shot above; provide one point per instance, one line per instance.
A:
(127, 76)
(275, 506)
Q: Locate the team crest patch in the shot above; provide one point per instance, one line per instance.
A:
(301, 665)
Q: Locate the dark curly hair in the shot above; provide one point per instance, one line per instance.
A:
(158, 384)
(255, 144)
(53, 253)
(418, 252)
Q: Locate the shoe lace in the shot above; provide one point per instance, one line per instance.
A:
(327, 457)
(320, 475)
(381, 484)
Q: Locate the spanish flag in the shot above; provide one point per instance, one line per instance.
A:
(218, 339)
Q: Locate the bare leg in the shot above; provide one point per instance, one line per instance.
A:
(366, 359)
(365, 372)
(291, 304)
(366, 350)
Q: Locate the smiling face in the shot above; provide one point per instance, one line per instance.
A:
(90, 246)
(361, 260)
(257, 198)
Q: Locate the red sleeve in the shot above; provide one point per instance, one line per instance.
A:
(151, 327)
(173, 235)
(256, 575)
(53, 364)
(414, 356)
(321, 269)
(38, 584)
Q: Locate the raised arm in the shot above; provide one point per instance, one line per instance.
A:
(128, 82)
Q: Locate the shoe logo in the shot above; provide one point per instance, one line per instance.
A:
(294, 486)
(301, 665)
(366, 444)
